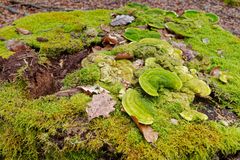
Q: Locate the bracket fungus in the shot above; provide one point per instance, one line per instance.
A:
(152, 79)
(192, 115)
(137, 106)
(198, 87)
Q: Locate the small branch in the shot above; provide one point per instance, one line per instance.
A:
(10, 9)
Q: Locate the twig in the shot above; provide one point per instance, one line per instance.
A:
(10, 9)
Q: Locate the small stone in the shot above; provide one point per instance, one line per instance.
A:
(174, 121)
(122, 20)
(205, 40)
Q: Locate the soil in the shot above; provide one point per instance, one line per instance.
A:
(42, 79)
(13, 9)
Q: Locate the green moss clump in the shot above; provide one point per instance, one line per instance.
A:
(85, 76)
(136, 34)
(8, 32)
(67, 32)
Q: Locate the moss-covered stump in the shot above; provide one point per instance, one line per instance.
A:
(171, 93)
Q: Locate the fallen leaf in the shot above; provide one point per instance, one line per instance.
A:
(108, 47)
(122, 20)
(14, 45)
(92, 89)
(105, 28)
(42, 39)
(123, 56)
(147, 131)
(215, 71)
(23, 31)
(109, 39)
(89, 90)
(101, 105)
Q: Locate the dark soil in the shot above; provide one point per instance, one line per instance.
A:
(42, 79)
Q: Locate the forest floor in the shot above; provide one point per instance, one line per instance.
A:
(13, 9)
(133, 82)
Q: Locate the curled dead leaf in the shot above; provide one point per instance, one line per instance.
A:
(101, 105)
(110, 39)
(123, 56)
(23, 31)
(147, 131)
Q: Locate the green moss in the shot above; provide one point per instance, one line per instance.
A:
(67, 32)
(136, 34)
(85, 76)
(8, 32)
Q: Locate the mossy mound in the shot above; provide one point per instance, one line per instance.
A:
(66, 32)
(53, 127)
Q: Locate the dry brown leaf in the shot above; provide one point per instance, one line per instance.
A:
(23, 31)
(101, 105)
(147, 131)
(123, 56)
(105, 28)
(215, 72)
(16, 46)
(109, 39)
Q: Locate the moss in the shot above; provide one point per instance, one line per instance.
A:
(67, 32)
(136, 34)
(8, 32)
(28, 125)
(85, 76)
